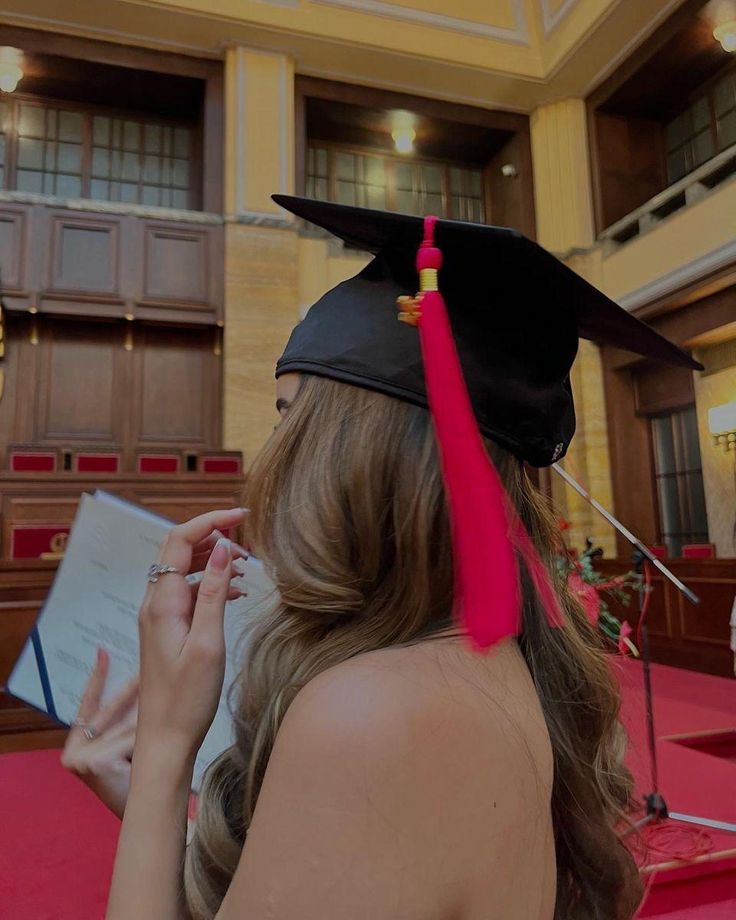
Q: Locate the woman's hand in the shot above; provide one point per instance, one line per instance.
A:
(182, 639)
(99, 746)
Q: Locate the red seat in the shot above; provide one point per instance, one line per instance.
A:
(32, 460)
(699, 551)
(97, 461)
(659, 551)
(150, 462)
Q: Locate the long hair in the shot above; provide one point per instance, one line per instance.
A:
(347, 510)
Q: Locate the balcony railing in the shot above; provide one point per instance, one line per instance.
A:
(692, 187)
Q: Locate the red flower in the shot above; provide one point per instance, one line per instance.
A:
(625, 632)
(563, 524)
(586, 595)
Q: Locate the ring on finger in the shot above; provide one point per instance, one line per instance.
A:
(89, 731)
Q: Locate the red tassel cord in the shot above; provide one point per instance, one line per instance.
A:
(485, 528)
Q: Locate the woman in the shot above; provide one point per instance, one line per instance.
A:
(383, 768)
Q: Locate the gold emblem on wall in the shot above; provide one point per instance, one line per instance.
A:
(2, 348)
(58, 546)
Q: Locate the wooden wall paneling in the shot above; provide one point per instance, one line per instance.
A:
(24, 343)
(176, 387)
(13, 247)
(662, 388)
(512, 198)
(634, 494)
(629, 165)
(9, 368)
(707, 621)
(689, 635)
(83, 255)
(213, 141)
(176, 264)
(80, 394)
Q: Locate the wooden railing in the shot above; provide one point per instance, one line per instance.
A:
(690, 188)
(694, 636)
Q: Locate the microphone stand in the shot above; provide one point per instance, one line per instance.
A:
(656, 807)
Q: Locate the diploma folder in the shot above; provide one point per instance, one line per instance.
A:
(94, 601)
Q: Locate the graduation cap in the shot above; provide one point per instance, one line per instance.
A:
(489, 355)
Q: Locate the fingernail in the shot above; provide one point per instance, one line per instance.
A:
(221, 555)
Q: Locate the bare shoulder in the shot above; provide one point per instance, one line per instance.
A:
(416, 701)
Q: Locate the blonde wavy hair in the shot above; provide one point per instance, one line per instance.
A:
(348, 512)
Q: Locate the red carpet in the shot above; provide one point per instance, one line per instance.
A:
(58, 842)
(698, 781)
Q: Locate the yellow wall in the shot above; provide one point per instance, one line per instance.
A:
(719, 464)
(492, 53)
(693, 232)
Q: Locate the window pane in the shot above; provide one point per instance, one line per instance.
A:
(701, 114)
(130, 166)
(375, 197)
(727, 130)
(180, 174)
(70, 126)
(100, 162)
(101, 130)
(30, 153)
(474, 183)
(679, 477)
(151, 169)
(664, 448)
(405, 201)
(404, 176)
(432, 176)
(68, 186)
(181, 142)
(703, 147)
(128, 192)
(151, 195)
(31, 121)
(69, 158)
(432, 204)
(131, 135)
(678, 130)
(676, 165)
(321, 162)
(345, 166)
(152, 138)
(725, 95)
(179, 198)
(375, 171)
(99, 189)
(346, 193)
(29, 181)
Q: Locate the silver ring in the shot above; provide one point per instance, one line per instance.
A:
(90, 732)
(156, 570)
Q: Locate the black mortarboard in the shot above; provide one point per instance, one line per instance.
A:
(516, 312)
(497, 326)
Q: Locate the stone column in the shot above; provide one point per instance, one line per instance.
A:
(565, 226)
(261, 246)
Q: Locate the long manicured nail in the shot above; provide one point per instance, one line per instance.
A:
(221, 554)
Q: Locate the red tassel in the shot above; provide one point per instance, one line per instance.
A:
(485, 529)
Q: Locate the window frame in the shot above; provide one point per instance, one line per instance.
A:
(88, 111)
(681, 477)
(391, 159)
(704, 91)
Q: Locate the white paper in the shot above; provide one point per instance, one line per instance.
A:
(94, 601)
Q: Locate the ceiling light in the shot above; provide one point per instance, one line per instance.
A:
(10, 69)
(403, 131)
(725, 33)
